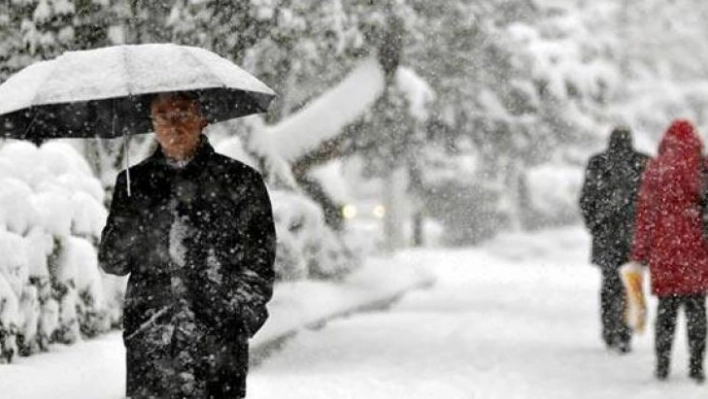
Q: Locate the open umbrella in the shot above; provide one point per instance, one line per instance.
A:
(106, 92)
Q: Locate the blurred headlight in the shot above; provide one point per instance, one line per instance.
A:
(379, 211)
(349, 211)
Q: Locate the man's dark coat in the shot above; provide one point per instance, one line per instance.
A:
(608, 200)
(196, 293)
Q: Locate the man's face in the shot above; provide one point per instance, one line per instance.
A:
(178, 124)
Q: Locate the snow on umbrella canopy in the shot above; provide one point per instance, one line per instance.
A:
(106, 92)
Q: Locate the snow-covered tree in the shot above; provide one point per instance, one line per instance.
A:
(663, 62)
(47, 28)
(297, 47)
(515, 83)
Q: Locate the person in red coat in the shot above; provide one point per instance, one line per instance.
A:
(669, 238)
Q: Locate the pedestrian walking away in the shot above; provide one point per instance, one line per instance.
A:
(607, 204)
(196, 235)
(670, 239)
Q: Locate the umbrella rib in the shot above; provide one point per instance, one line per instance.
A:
(34, 119)
(124, 52)
(45, 80)
(34, 98)
(204, 65)
(36, 94)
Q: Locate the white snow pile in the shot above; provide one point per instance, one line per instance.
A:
(51, 216)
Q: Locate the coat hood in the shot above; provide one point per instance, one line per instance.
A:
(680, 159)
(681, 137)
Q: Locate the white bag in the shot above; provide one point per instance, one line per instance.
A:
(635, 311)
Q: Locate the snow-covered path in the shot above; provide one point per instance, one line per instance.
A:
(516, 318)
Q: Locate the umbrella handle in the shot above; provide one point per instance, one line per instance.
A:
(127, 161)
(126, 148)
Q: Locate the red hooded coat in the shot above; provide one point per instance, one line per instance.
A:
(669, 231)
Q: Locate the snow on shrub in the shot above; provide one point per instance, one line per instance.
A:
(78, 265)
(89, 215)
(40, 246)
(16, 213)
(9, 321)
(13, 262)
(553, 193)
(51, 216)
(307, 247)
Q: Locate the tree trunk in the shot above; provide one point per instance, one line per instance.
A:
(514, 195)
(418, 237)
(394, 194)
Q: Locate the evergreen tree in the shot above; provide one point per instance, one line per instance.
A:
(10, 42)
(47, 27)
(33, 30)
(503, 104)
(297, 47)
(92, 19)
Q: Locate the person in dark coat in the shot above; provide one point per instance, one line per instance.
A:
(607, 204)
(196, 235)
(670, 239)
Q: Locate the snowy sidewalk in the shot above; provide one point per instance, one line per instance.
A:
(95, 369)
(517, 318)
(301, 305)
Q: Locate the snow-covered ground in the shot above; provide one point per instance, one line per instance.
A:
(96, 369)
(516, 318)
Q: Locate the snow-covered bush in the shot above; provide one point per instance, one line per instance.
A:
(9, 321)
(51, 216)
(307, 247)
(553, 191)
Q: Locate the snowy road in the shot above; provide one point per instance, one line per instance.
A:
(514, 319)
(517, 319)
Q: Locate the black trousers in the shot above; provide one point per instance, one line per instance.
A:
(612, 303)
(667, 313)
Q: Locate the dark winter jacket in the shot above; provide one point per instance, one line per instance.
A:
(608, 198)
(199, 245)
(669, 236)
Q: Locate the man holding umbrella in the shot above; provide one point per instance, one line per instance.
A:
(194, 229)
(196, 235)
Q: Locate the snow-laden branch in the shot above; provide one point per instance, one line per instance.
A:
(417, 91)
(326, 116)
